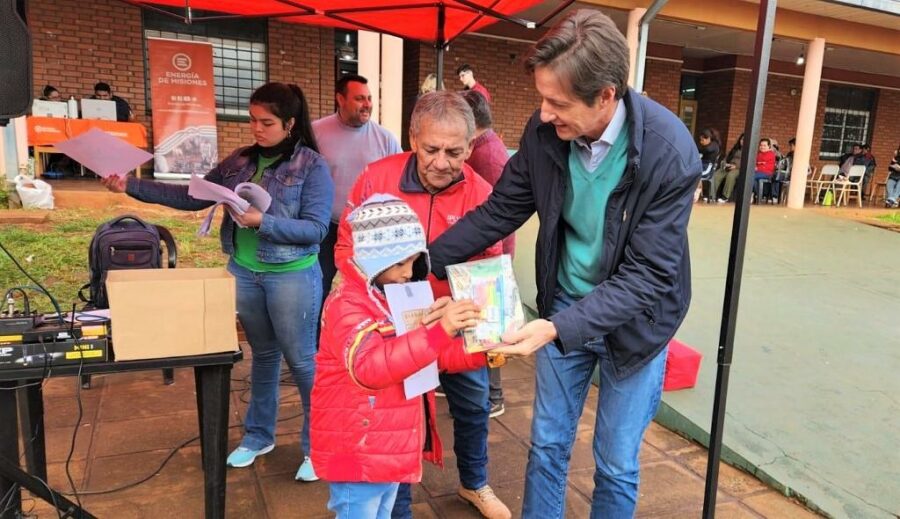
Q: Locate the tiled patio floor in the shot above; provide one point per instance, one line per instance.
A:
(132, 422)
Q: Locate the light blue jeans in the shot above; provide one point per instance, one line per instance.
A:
(892, 190)
(278, 312)
(624, 411)
(362, 500)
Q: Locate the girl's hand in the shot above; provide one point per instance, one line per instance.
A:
(436, 311)
(115, 183)
(251, 218)
(460, 315)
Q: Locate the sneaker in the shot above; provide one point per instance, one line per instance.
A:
(721, 201)
(439, 392)
(306, 472)
(486, 502)
(244, 457)
(497, 409)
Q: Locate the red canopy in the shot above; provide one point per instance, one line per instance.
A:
(411, 19)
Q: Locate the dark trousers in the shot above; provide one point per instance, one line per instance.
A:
(496, 390)
(326, 263)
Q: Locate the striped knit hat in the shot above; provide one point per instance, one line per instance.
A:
(386, 231)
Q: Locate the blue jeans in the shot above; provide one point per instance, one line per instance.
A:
(362, 500)
(892, 189)
(624, 410)
(467, 396)
(278, 312)
(758, 188)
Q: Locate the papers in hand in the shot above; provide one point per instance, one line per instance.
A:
(409, 302)
(102, 153)
(244, 196)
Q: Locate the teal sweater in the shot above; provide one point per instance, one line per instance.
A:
(584, 213)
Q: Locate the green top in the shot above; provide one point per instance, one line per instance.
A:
(584, 212)
(246, 241)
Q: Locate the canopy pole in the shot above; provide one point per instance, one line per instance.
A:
(761, 53)
(440, 42)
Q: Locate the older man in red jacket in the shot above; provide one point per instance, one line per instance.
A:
(437, 184)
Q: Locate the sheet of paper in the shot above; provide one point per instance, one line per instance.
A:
(87, 316)
(102, 153)
(409, 302)
(205, 190)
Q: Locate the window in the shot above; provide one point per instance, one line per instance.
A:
(240, 58)
(848, 120)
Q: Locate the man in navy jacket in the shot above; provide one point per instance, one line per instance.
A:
(611, 175)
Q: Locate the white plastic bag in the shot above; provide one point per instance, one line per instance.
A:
(34, 193)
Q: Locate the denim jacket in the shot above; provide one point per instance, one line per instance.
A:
(297, 220)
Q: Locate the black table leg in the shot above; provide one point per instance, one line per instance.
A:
(213, 387)
(10, 497)
(168, 376)
(31, 415)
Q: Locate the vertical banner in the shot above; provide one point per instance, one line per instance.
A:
(183, 101)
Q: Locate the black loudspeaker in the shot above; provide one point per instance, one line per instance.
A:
(15, 64)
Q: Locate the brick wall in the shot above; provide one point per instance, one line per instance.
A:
(497, 65)
(714, 93)
(76, 44)
(885, 137)
(662, 82)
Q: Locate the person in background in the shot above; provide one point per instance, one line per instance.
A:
(870, 164)
(367, 437)
(467, 78)
(349, 140)
(856, 157)
(440, 187)
(123, 109)
(429, 84)
(611, 175)
(765, 170)
(50, 93)
(708, 144)
(488, 158)
(892, 189)
(272, 255)
(726, 176)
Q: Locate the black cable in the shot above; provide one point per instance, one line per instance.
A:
(80, 409)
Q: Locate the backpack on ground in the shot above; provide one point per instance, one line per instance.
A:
(125, 242)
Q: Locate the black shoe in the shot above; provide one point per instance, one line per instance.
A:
(497, 409)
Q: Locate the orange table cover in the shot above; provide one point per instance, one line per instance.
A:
(44, 131)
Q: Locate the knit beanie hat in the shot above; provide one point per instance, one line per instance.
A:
(386, 231)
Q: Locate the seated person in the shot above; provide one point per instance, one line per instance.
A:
(765, 170)
(727, 175)
(367, 437)
(123, 109)
(50, 93)
(892, 187)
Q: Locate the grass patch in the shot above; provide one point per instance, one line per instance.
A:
(890, 218)
(56, 253)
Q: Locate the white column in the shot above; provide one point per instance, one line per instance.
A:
(369, 65)
(806, 120)
(631, 34)
(392, 84)
(21, 142)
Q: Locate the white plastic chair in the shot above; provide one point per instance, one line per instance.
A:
(851, 186)
(826, 177)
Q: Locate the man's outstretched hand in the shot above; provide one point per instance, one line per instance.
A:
(527, 339)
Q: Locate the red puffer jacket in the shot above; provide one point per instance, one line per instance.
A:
(363, 429)
(396, 175)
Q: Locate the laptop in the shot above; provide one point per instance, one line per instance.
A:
(43, 108)
(98, 109)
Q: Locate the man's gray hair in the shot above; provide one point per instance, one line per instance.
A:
(439, 106)
(585, 50)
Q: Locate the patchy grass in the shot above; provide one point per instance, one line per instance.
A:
(893, 218)
(56, 253)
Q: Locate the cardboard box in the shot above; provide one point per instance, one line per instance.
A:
(159, 313)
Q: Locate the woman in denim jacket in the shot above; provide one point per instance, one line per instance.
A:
(273, 254)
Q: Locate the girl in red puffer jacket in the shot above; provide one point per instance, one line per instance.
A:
(366, 436)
